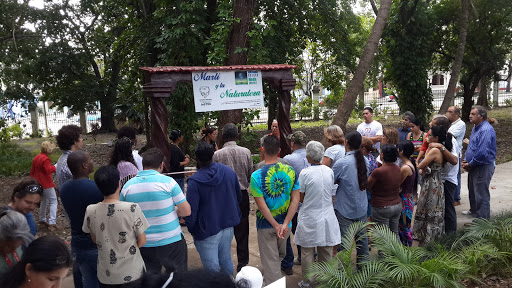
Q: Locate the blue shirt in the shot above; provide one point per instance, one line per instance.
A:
(76, 195)
(297, 160)
(275, 183)
(157, 196)
(213, 193)
(30, 221)
(402, 133)
(482, 145)
(350, 201)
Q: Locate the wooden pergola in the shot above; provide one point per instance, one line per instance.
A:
(160, 83)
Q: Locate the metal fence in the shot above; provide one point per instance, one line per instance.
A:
(386, 105)
(54, 121)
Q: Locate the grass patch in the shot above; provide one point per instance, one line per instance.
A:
(501, 113)
(14, 160)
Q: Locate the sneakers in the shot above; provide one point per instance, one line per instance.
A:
(287, 271)
(456, 203)
(303, 284)
(466, 212)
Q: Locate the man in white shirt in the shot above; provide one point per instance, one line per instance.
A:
(370, 128)
(458, 130)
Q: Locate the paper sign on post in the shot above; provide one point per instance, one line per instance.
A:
(226, 90)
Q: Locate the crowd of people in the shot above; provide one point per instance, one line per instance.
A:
(126, 224)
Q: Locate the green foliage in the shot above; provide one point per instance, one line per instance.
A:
(407, 41)
(304, 109)
(316, 112)
(14, 160)
(9, 132)
(479, 251)
(332, 100)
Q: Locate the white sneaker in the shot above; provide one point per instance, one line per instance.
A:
(303, 284)
(466, 212)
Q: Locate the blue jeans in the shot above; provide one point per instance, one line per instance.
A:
(181, 182)
(362, 244)
(86, 262)
(215, 251)
(456, 195)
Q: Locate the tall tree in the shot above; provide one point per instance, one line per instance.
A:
(408, 46)
(356, 85)
(238, 47)
(459, 56)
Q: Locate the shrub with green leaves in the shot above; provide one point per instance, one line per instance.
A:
(9, 132)
(14, 160)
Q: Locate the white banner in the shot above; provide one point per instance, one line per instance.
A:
(226, 90)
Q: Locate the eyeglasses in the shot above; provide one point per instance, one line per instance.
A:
(33, 189)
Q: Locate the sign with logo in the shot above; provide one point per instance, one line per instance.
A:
(226, 90)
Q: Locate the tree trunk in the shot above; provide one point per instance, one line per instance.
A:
(482, 96)
(238, 39)
(356, 85)
(459, 56)
(508, 86)
(469, 91)
(83, 121)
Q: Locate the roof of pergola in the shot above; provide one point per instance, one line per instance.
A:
(263, 67)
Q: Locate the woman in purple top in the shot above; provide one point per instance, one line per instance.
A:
(408, 190)
(122, 158)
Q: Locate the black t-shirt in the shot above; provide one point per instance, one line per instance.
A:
(177, 156)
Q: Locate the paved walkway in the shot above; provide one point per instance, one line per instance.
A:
(501, 200)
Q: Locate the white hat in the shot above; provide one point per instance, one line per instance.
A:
(252, 275)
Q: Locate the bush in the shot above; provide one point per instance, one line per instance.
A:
(304, 110)
(14, 160)
(481, 250)
(9, 132)
(316, 112)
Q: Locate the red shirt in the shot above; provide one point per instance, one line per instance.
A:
(424, 146)
(42, 170)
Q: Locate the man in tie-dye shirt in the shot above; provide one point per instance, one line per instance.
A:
(275, 188)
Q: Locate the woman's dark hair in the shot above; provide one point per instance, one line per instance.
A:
(417, 122)
(175, 134)
(354, 140)
(208, 130)
(194, 278)
(107, 179)
(67, 136)
(407, 148)
(444, 137)
(26, 186)
(122, 152)
(45, 254)
(389, 153)
(127, 131)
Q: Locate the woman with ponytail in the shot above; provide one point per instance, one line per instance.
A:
(429, 221)
(351, 202)
(408, 189)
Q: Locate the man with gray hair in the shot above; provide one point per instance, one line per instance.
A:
(479, 162)
(240, 160)
(406, 125)
(458, 130)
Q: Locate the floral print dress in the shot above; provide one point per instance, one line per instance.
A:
(429, 219)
